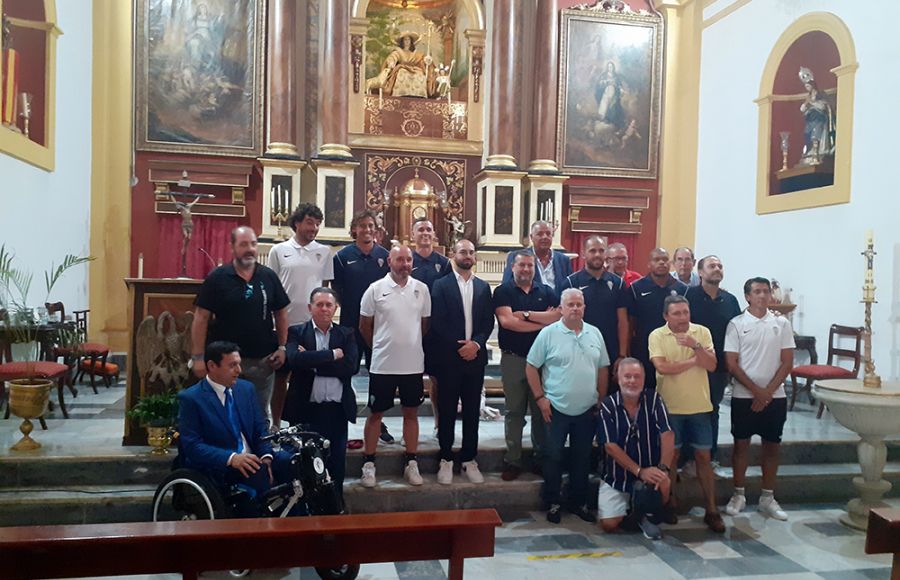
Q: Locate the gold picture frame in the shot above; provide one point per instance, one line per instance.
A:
(199, 70)
(610, 91)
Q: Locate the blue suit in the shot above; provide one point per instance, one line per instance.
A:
(459, 379)
(562, 267)
(206, 439)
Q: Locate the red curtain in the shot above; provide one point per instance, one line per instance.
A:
(211, 234)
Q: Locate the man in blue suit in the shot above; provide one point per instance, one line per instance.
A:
(221, 425)
(462, 320)
(550, 267)
(323, 358)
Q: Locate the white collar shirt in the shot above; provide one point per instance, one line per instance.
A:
(466, 291)
(220, 393)
(325, 389)
(548, 276)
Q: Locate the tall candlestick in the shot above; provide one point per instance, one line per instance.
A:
(140, 265)
(871, 379)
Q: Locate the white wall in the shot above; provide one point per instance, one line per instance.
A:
(45, 215)
(814, 251)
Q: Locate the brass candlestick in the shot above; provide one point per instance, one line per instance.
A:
(871, 379)
(785, 143)
(279, 218)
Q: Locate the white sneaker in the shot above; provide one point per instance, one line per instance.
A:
(368, 475)
(736, 505)
(411, 473)
(768, 506)
(445, 472)
(470, 468)
(689, 470)
(720, 472)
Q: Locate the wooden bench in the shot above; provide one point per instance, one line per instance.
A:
(193, 546)
(883, 535)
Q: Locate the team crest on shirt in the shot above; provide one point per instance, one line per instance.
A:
(318, 257)
(437, 267)
(380, 262)
(416, 293)
(609, 284)
(673, 292)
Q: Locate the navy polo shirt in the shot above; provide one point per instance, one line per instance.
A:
(354, 272)
(714, 314)
(243, 310)
(645, 302)
(603, 297)
(538, 299)
(639, 438)
(428, 270)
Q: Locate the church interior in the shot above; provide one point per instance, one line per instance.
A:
(743, 129)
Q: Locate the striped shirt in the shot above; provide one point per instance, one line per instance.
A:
(639, 438)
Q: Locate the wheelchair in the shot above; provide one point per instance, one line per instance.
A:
(189, 494)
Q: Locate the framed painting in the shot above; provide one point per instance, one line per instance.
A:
(199, 67)
(609, 92)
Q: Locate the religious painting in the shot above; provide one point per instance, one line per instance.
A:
(610, 92)
(198, 76)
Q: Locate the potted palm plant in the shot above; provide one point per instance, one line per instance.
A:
(157, 413)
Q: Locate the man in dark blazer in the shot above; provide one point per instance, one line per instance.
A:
(323, 358)
(221, 426)
(550, 267)
(462, 320)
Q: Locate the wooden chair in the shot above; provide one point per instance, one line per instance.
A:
(816, 372)
(93, 356)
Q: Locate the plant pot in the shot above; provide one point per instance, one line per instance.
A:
(159, 438)
(24, 351)
(28, 399)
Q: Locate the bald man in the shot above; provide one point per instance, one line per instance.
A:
(393, 318)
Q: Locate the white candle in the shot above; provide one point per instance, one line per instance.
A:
(140, 265)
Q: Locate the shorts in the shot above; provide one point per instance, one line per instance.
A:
(383, 389)
(768, 423)
(694, 430)
(611, 503)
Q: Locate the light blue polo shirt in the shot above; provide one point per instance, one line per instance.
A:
(569, 364)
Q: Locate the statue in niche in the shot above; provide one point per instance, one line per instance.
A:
(405, 72)
(818, 130)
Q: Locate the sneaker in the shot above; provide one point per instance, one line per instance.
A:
(720, 472)
(411, 473)
(445, 472)
(584, 513)
(510, 472)
(470, 468)
(385, 436)
(689, 469)
(554, 514)
(736, 505)
(714, 521)
(768, 506)
(434, 433)
(650, 530)
(368, 475)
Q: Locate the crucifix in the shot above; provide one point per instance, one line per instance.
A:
(187, 219)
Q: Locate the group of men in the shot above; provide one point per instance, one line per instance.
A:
(639, 362)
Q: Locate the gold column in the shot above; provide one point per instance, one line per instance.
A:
(111, 148)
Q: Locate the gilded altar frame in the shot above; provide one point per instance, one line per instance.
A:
(183, 104)
(610, 92)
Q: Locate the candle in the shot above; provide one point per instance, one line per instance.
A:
(140, 265)
(273, 196)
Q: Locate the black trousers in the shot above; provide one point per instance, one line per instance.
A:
(330, 421)
(462, 383)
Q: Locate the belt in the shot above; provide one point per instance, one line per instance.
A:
(512, 353)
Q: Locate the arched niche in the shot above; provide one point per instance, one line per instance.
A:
(463, 129)
(821, 42)
(32, 30)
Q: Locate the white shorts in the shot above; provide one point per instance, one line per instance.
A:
(611, 503)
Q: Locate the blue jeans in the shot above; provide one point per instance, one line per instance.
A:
(717, 384)
(580, 432)
(692, 430)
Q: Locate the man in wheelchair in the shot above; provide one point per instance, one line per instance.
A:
(223, 431)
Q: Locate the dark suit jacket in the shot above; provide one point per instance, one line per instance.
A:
(448, 324)
(307, 364)
(206, 440)
(562, 267)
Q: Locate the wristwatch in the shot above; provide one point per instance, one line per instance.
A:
(697, 346)
(526, 314)
(282, 347)
(194, 360)
(664, 467)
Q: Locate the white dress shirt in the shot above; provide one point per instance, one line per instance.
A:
(325, 389)
(466, 290)
(220, 392)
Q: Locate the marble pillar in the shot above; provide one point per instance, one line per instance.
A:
(334, 79)
(282, 82)
(545, 97)
(501, 129)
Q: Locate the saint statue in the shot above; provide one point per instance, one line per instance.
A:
(818, 131)
(405, 72)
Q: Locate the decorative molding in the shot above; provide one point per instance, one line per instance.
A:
(477, 69)
(452, 172)
(421, 144)
(208, 209)
(609, 6)
(356, 58)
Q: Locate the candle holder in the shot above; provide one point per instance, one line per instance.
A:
(279, 217)
(785, 141)
(25, 100)
(871, 378)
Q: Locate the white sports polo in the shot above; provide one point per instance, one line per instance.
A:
(398, 312)
(758, 342)
(301, 269)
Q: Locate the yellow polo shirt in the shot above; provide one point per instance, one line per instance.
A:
(688, 392)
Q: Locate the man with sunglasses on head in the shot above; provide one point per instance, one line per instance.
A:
(243, 302)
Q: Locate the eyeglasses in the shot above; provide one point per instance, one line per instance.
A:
(248, 292)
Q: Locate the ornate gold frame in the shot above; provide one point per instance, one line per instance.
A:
(141, 83)
(610, 17)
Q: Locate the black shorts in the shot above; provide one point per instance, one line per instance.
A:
(768, 423)
(383, 389)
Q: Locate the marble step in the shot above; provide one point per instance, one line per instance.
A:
(797, 484)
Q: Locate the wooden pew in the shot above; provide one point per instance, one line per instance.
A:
(193, 546)
(883, 535)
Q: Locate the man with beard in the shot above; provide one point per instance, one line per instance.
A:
(550, 267)
(394, 315)
(247, 300)
(462, 320)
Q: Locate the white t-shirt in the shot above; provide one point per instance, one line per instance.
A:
(301, 269)
(398, 313)
(758, 342)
